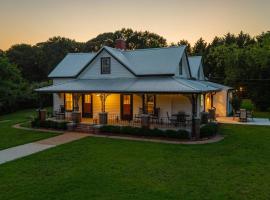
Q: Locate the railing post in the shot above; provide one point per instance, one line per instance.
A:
(145, 121)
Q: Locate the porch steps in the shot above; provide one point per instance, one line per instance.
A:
(82, 127)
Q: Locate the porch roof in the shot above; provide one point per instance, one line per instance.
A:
(132, 85)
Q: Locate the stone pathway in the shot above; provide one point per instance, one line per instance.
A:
(20, 151)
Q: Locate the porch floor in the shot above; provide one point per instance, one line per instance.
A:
(254, 121)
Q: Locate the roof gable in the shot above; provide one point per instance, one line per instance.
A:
(140, 62)
(196, 68)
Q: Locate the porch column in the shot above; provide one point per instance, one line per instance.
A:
(204, 102)
(195, 131)
(103, 115)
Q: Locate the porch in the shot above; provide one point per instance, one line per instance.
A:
(161, 111)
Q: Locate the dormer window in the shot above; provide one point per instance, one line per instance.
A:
(105, 65)
(181, 67)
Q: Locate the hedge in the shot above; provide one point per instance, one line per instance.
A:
(59, 125)
(136, 131)
(209, 130)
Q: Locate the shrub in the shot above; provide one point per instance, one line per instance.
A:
(209, 130)
(247, 104)
(136, 131)
(59, 125)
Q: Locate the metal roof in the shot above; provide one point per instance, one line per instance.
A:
(71, 65)
(152, 61)
(133, 85)
(194, 63)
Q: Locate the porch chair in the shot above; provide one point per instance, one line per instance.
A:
(172, 119)
(60, 114)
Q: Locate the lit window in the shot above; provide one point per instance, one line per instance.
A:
(87, 98)
(150, 104)
(68, 102)
(105, 65)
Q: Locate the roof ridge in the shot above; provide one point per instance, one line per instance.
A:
(154, 48)
(82, 53)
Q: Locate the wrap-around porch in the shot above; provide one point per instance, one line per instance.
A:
(163, 111)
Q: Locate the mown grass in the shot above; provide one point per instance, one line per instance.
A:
(10, 136)
(99, 168)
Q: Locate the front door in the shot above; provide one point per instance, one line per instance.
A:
(87, 108)
(126, 106)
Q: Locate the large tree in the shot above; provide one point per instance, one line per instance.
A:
(200, 47)
(26, 57)
(134, 40)
(53, 51)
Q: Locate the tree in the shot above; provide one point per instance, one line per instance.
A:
(199, 48)
(53, 51)
(134, 40)
(244, 39)
(26, 58)
(1, 53)
(186, 43)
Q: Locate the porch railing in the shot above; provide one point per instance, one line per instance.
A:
(154, 122)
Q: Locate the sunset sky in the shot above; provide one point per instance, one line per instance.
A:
(32, 21)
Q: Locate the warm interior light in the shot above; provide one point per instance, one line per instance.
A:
(241, 89)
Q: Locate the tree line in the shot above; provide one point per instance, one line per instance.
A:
(236, 60)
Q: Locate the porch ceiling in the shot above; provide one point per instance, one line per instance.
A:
(132, 85)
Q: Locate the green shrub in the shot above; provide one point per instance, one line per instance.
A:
(247, 104)
(136, 131)
(209, 130)
(59, 125)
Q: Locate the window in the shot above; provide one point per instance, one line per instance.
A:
(150, 102)
(105, 65)
(68, 102)
(181, 67)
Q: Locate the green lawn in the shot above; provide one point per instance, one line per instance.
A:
(11, 136)
(262, 114)
(98, 168)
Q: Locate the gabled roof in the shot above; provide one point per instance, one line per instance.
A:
(71, 65)
(194, 63)
(135, 85)
(156, 60)
(140, 62)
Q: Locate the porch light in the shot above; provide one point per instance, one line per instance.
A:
(241, 89)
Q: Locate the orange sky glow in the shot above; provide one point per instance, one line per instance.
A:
(32, 21)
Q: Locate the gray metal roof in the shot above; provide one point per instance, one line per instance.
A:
(136, 85)
(152, 61)
(194, 63)
(71, 65)
(155, 60)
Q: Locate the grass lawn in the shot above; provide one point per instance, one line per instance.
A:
(98, 168)
(262, 114)
(11, 136)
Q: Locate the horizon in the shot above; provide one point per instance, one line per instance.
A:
(33, 21)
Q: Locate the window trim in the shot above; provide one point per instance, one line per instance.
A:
(101, 65)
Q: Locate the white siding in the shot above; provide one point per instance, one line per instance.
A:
(58, 99)
(185, 71)
(137, 103)
(220, 103)
(173, 104)
(93, 70)
(201, 73)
